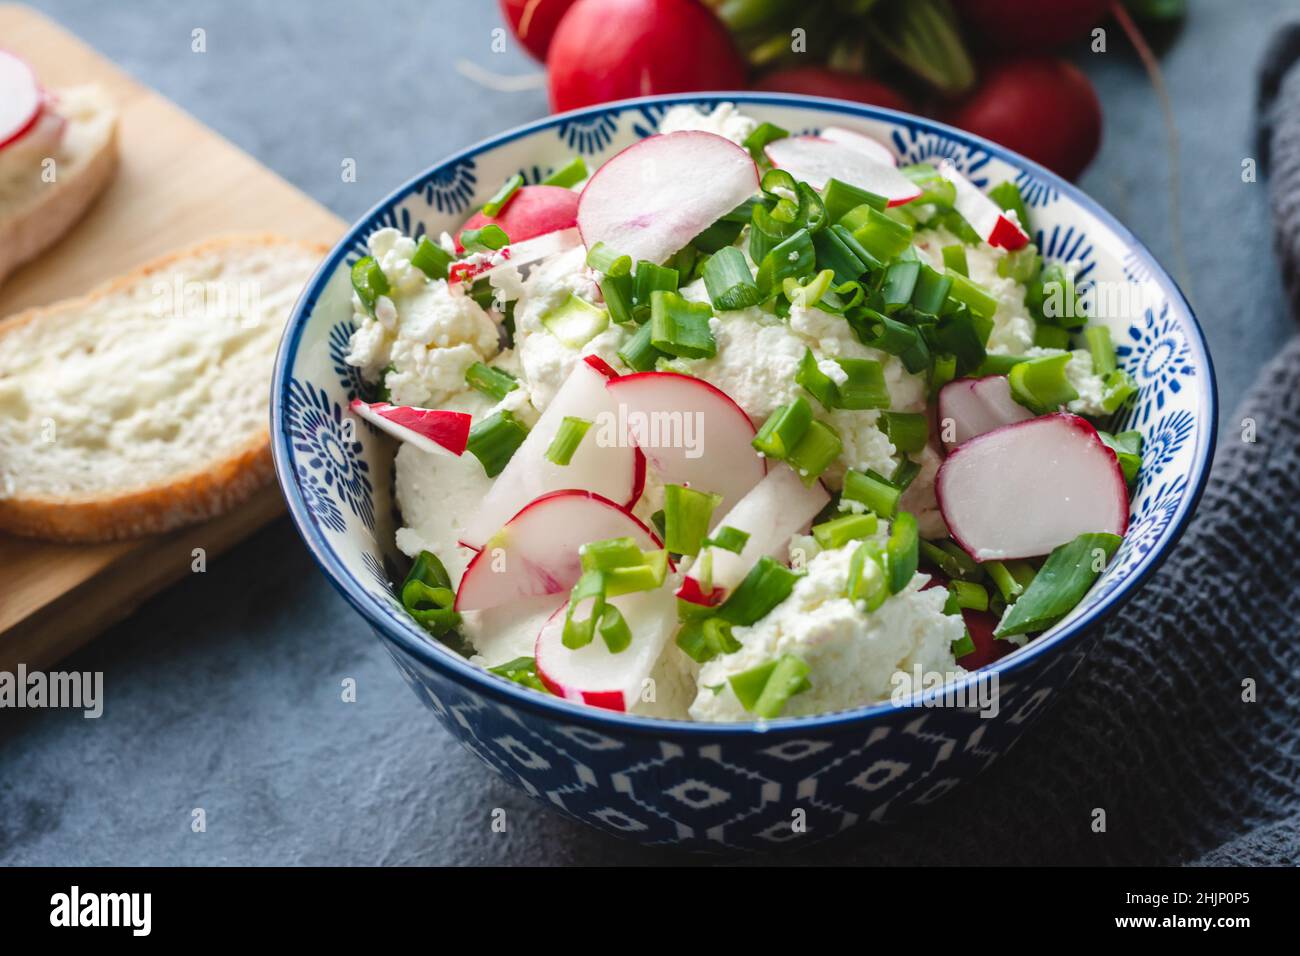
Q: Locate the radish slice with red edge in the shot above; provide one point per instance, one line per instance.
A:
(777, 507)
(613, 469)
(690, 431)
(537, 550)
(429, 429)
(984, 215)
(514, 255)
(533, 211)
(594, 676)
(980, 625)
(816, 161)
(654, 197)
(1021, 490)
(21, 98)
(972, 406)
(862, 143)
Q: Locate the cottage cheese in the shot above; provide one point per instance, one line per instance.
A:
(724, 120)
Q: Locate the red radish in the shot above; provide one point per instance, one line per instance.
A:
(973, 406)
(816, 160)
(838, 84)
(980, 625)
(1041, 107)
(613, 49)
(984, 215)
(777, 507)
(1027, 25)
(536, 552)
(690, 431)
(654, 197)
(612, 469)
(591, 674)
(21, 98)
(861, 142)
(532, 211)
(514, 255)
(533, 22)
(429, 429)
(1021, 490)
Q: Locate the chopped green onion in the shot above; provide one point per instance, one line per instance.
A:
(728, 539)
(610, 553)
(900, 282)
(970, 595)
(718, 236)
(369, 282)
(942, 559)
(834, 252)
(930, 291)
(839, 197)
(840, 531)
(865, 385)
(1127, 447)
(962, 335)
(1041, 385)
(999, 364)
(427, 595)
(1051, 337)
(493, 440)
(575, 321)
(963, 645)
(431, 259)
(767, 584)
(954, 259)
(883, 237)
(493, 382)
(815, 452)
(783, 429)
(521, 670)
(1060, 584)
(904, 474)
(1101, 348)
(763, 134)
(1023, 264)
(907, 431)
(902, 551)
(637, 353)
(790, 257)
(935, 189)
(807, 295)
(1007, 195)
(1052, 298)
(501, 198)
(975, 297)
(651, 278)
(877, 493)
(1118, 387)
(816, 382)
(866, 583)
(614, 630)
(704, 639)
(617, 293)
(1004, 580)
(567, 439)
(680, 327)
(766, 689)
(578, 633)
(883, 332)
(604, 259)
(942, 372)
(646, 576)
(687, 514)
(489, 238)
(568, 175)
(729, 282)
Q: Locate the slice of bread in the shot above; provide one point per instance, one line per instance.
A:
(34, 212)
(142, 406)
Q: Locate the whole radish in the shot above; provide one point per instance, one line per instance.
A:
(613, 49)
(1023, 25)
(534, 21)
(1042, 107)
(840, 84)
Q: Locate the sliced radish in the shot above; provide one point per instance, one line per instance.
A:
(862, 143)
(429, 429)
(816, 160)
(612, 469)
(591, 674)
(980, 625)
(983, 214)
(514, 255)
(1021, 490)
(973, 406)
(537, 550)
(533, 211)
(21, 98)
(653, 198)
(690, 431)
(776, 508)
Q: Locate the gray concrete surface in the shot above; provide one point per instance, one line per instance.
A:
(224, 692)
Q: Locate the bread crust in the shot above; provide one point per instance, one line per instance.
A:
(185, 498)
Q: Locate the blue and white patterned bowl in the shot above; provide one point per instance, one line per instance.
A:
(717, 786)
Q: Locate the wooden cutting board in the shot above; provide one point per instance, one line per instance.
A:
(178, 183)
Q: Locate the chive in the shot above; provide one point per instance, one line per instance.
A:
(431, 258)
(568, 175)
(816, 382)
(935, 189)
(1007, 195)
(954, 259)
(839, 197)
(815, 452)
(729, 282)
(763, 134)
(1101, 348)
(884, 238)
(637, 353)
(614, 630)
(840, 531)
(706, 638)
(575, 321)
(1060, 584)
(889, 335)
(865, 386)
(651, 278)
(521, 670)
(833, 253)
(617, 293)
(1040, 384)
(970, 595)
(961, 335)
(501, 198)
(870, 489)
(975, 297)
(1006, 583)
(679, 327)
(687, 514)
(866, 584)
(645, 576)
(489, 238)
(805, 295)
(790, 257)
(493, 440)
(1119, 387)
(1127, 447)
(369, 282)
(604, 259)
(788, 678)
(767, 584)
(610, 553)
(578, 633)
(783, 429)
(930, 291)
(900, 281)
(1051, 337)
(908, 431)
(427, 594)
(902, 551)
(493, 382)
(748, 685)
(1023, 264)
(859, 251)
(567, 439)
(728, 539)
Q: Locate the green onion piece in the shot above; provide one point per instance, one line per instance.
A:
(1040, 384)
(704, 639)
(431, 259)
(791, 257)
(579, 632)
(1118, 388)
(763, 134)
(687, 514)
(877, 493)
(489, 238)
(883, 237)
(638, 577)
(718, 236)
(942, 372)
(1004, 580)
(748, 685)
(902, 551)
(604, 259)
(568, 175)
(493, 440)
(930, 291)
(637, 353)
(567, 439)
(617, 293)
(728, 539)
(1007, 195)
(1060, 584)
(970, 595)
(866, 583)
(890, 335)
(935, 189)
(816, 382)
(369, 282)
(493, 382)
(962, 335)
(840, 531)
(651, 278)
(783, 429)
(521, 670)
(575, 321)
(815, 452)
(839, 197)
(954, 259)
(427, 594)
(610, 553)
(729, 282)
(955, 223)
(1022, 571)
(1127, 447)
(1052, 298)
(900, 282)
(1101, 348)
(908, 431)
(1051, 337)
(501, 198)
(614, 630)
(835, 253)
(767, 584)
(963, 645)
(1023, 264)
(967, 567)
(999, 364)
(788, 678)
(975, 297)
(680, 327)
(865, 386)
(807, 295)
(941, 559)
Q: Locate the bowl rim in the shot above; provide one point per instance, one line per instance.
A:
(424, 649)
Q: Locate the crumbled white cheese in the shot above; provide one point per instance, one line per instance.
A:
(724, 120)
